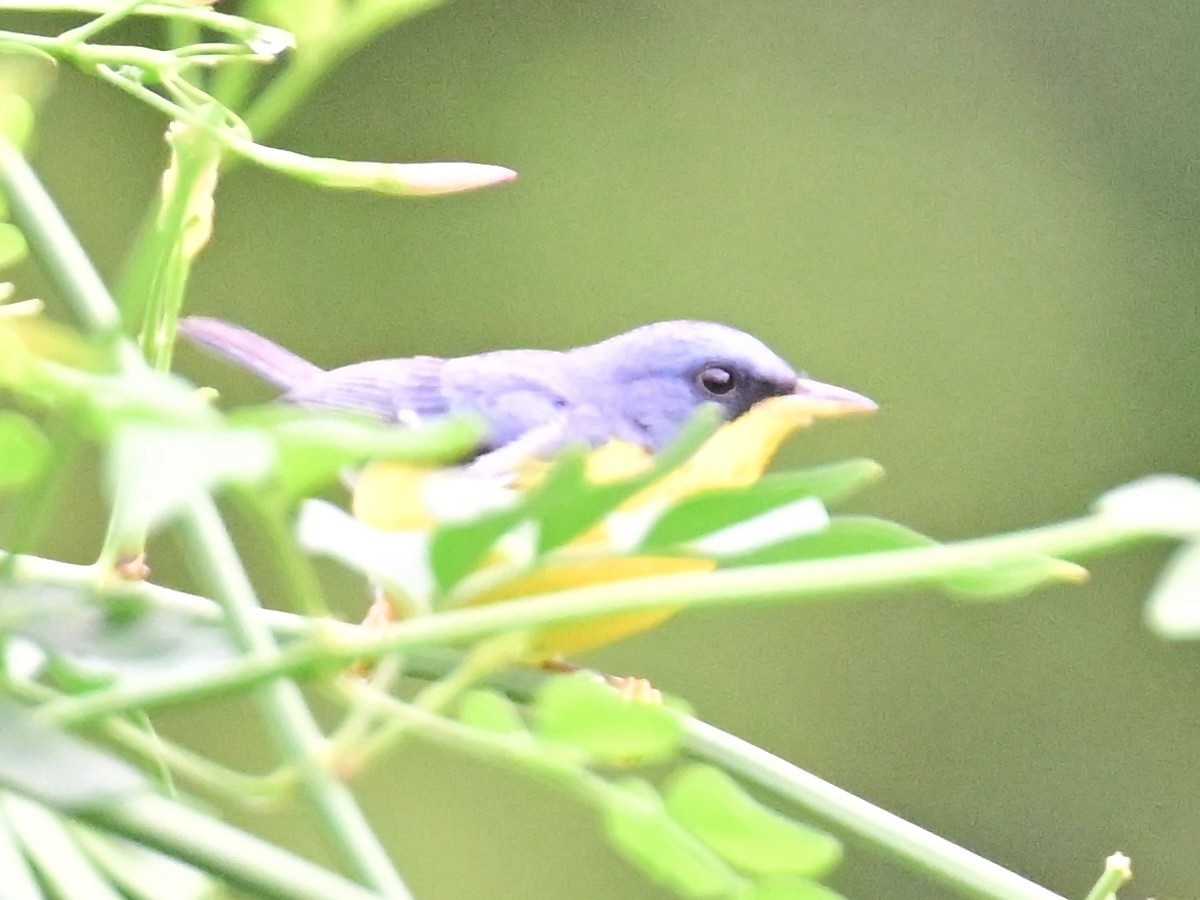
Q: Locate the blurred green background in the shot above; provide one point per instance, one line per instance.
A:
(984, 215)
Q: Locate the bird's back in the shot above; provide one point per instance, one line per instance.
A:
(401, 391)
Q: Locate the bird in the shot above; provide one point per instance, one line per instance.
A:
(626, 397)
(640, 387)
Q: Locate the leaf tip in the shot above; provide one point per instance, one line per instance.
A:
(436, 178)
(1072, 573)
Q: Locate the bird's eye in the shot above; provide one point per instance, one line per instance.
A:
(716, 380)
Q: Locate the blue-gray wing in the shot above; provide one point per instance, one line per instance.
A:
(393, 390)
(517, 391)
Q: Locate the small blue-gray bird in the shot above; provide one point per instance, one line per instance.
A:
(640, 387)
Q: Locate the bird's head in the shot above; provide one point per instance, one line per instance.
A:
(654, 378)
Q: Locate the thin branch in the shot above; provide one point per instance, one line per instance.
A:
(960, 869)
(334, 643)
(223, 850)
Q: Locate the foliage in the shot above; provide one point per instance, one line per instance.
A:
(99, 648)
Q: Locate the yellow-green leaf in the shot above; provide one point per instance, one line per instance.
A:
(640, 829)
(715, 808)
(585, 713)
(24, 451)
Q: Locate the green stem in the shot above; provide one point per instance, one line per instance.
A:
(89, 56)
(513, 750)
(156, 750)
(818, 579)
(810, 580)
(356, 751)
(295, 729)
(1117, 872)
(310, 63)
(282, 624)
(900, 840)
(336, 643)
(956, 867)
(186, 765)
(517, 751)
(169, 688)
(101, 22)
(59, 859)
(183, 222)
(245, 30)
(260, 867)
(59, 253)
(346, 741)
(965, 872)
(341, 643)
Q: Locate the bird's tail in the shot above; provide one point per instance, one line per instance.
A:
(264, 357)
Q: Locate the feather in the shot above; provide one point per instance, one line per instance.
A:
(401, 391)
(260, 355)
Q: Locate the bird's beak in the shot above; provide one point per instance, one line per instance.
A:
(828, 400)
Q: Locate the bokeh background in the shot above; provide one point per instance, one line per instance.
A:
(984, 215)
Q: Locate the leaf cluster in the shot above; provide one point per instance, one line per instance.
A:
(95, 803)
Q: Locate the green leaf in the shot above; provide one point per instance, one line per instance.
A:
(856, 535)
(561, 519)
(155, 471)
(24, 451)
(562, 507)
(16, 113)
(704, 513)
(1012, 576)
(582, 712)
(456, 549)
(1173, 610)
(640, 829)
(789, 888)
(490, 711)
(714, 807)
(844, 536)
(19, 48)
(54, 768)
(566, 504)
(799, 518)
(13, 248)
